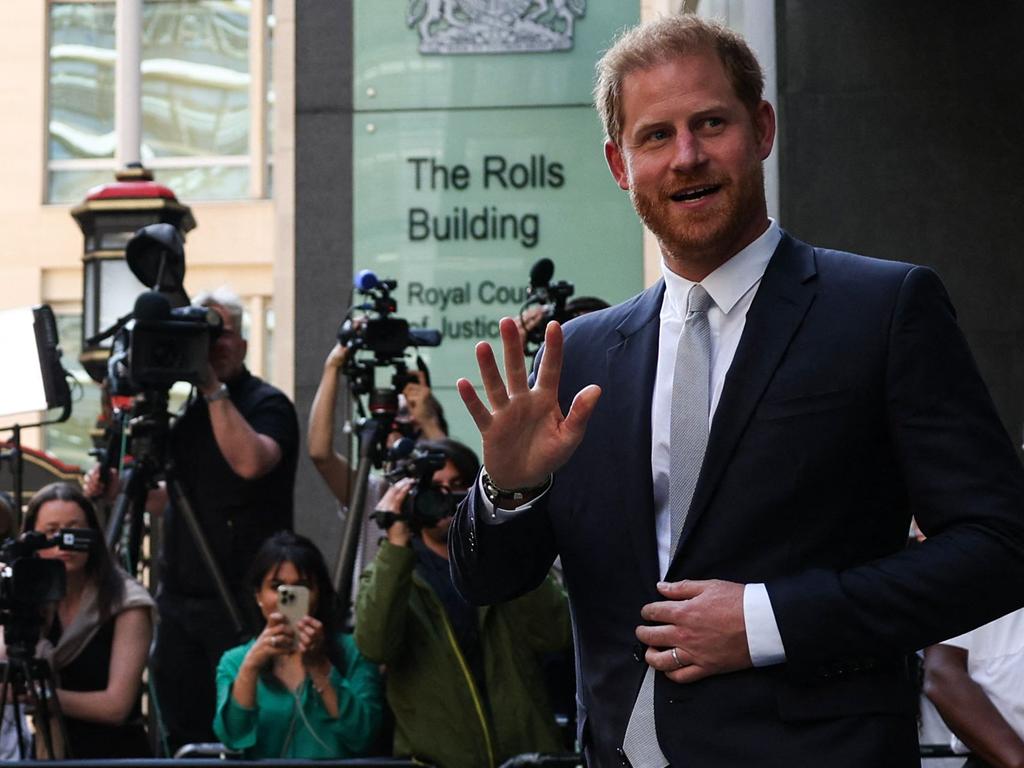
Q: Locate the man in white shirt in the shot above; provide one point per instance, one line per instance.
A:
(976, 681)
(728, 462)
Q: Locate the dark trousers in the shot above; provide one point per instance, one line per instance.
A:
(191, 637)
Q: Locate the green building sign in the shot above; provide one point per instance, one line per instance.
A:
(473, 161)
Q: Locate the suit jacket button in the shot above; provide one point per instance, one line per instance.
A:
(623, 760)
(638, 653)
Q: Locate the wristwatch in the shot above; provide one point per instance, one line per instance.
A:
(218, 394)
(515, 496)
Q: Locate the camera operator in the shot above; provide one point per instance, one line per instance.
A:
(464, 683)
(422, 418)
(235, 449)
(97, 639)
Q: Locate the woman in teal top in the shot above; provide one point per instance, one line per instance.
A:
(297, 691)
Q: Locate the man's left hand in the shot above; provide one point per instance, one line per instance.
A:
(702, 621)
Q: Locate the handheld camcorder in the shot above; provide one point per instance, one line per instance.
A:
(426, 504)
(28, 582)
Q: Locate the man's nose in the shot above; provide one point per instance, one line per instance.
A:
(688, 152)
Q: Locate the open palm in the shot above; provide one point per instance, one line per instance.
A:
(525, 435)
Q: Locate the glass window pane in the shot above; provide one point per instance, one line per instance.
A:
(71, 186)
(206, 182)
(81, 119)
(195, 78)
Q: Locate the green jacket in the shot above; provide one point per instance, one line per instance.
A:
(439, 715)
(287, 724)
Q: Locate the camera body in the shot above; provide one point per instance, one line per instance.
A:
(425, 505)
(155, 352)
(28, 582)
(386, 337)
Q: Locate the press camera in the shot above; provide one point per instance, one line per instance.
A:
(163, 340)
(426, 504)
(551, 297)
(387, 338)
(28, 582)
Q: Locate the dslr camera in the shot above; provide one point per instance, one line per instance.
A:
(426, 504)
(28, 582)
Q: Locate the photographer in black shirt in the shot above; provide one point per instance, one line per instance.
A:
(234, 450)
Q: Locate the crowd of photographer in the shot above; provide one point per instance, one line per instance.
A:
(464, 686)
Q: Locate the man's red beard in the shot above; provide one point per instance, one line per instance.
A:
(704, 234)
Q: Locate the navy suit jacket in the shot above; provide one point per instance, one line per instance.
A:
(851, 404)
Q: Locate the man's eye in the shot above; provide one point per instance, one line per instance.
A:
(658, 135)
(714, 122)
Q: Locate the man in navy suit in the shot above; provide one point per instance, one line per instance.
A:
(767, 618)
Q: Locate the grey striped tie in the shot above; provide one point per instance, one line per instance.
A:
(688, 439)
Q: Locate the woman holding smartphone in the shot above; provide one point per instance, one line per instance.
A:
(300, 689)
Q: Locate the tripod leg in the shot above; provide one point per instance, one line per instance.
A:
(371, 435)
(184, 507)
(128, 507)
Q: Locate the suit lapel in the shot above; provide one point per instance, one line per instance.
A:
(632, 364)
(783, 298)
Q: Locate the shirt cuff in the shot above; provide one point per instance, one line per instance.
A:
(763, 639)
(494, 515)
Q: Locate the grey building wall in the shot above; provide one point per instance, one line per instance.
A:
(901, 139)
(323, 226)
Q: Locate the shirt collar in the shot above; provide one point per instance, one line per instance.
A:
(731, 281)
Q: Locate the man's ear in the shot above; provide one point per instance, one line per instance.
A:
(764, 125)
(616, 164)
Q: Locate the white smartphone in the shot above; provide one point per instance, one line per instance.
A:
(293, 602)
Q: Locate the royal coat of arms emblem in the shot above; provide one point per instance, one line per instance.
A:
(494, 26)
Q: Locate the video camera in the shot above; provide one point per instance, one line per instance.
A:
(28, 582)
(163, 340)
(551, 297)
(387, 337)
(426, 504)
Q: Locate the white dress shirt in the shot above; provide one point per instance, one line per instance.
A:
(732, 287)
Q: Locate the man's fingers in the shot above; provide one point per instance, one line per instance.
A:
(491, 376)
(481, 416)
(551, 361)
(689, 674)
(581, 409)
(682, 590)
(658, 636)
(515, 363)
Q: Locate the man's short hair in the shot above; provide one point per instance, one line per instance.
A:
(664, 40)
(225, 298)
(462, 456)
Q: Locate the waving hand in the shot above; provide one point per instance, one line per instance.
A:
(525, 435)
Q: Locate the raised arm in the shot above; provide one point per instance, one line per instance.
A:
(332, 466)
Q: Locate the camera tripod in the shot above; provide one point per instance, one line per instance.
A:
(23, 673)
(372, 438)
(149, 432)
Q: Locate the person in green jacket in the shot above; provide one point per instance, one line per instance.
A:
(302, 690)
(465, 683)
